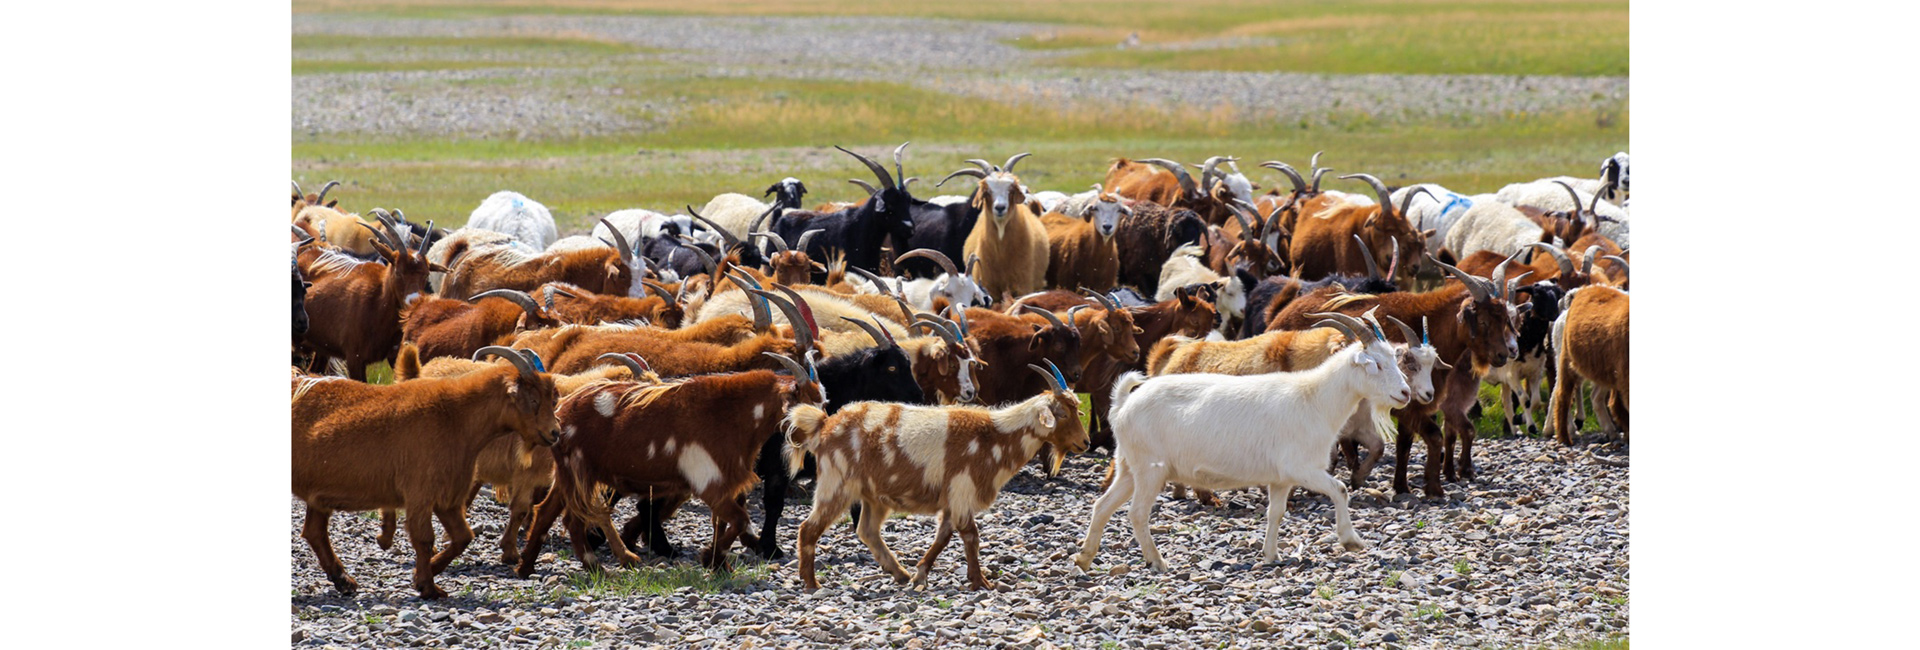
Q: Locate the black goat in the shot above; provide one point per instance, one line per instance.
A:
(300, 285)
(858, 231)
(787, 194)
(940, 227)
(1146, 238)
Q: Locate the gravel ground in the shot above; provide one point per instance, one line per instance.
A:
(1534, 554)
(575, 95)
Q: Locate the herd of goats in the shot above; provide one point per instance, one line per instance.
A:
(1225, 338)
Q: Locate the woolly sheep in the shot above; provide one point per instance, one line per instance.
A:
(1438, 210)
(514, 214)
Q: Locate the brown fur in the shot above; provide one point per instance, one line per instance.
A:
(411, 445)
(1186, 314)
(1013, 261)
(1323, 245)
(588, 308)
(354, 312)
(1077, 255)
(1008, 343)
(599, 270)
(442, 327)
(1593, 348)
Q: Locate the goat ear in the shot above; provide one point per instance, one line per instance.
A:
(1138, 331)
(1046, 419)
(436, 267)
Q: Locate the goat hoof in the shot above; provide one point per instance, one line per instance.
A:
(431, 591)
(384, 541)
(345, 585)
(983, 585)
(770, 551)
(510, 559)
(1354, 546)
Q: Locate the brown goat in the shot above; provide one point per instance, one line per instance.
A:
(443, 327)
(612, 271)
(410, 445)
(1164, 182)
(1011, 242)
(700, 437)
(1591, 345)
(354, 306)
(1473, 327)
(1322, 243)
(1188, 313)
(678, 358)
(950, 460)
(571, 304)
(1007, 344)
(1081, 252)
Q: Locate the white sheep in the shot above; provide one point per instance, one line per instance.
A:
(1549, 196)
(1186, 267)
(1437, 210)
(514, 214)
(1049, 200)
(1490, 225)
(1223, 432)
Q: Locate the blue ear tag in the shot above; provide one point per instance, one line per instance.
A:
(537, 365)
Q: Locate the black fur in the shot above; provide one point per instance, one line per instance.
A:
(1261, 296)
(940, 227)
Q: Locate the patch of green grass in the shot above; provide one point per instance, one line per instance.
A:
(1419, 524)
(380, 373)
(1462, 567)
(370, 618)
(1615, 643)
(1393, 579)
(1325, 591)
(1430, 612)
(653, 581)
(1109, 644)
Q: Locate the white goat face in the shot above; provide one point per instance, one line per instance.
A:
(1233, 298)
(1387, 382)
(1106, 215)
(967, 391)
(1417, 364)
(999, 189)
(1241, 188)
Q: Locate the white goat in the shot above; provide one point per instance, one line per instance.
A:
(1185, 267)
(1049, 200)
(1490, 225)
(1551, 197)
(1438, 210)
(514, 214)
(1224, 432)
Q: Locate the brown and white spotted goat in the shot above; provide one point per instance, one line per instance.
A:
(950, 460)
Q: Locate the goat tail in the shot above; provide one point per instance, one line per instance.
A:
(406, 365)
(802, 424)
(1123, 388)
(580, 492)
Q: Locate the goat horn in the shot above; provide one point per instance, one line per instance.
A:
(1241, 212)
(1210, 168)
(520, 298)
(725, 236)
(1506, 291)
(802, 336)
(421, 250)
(762, 319)
(878, 282)
(1586, 260)
(983, 165)
(705, 259)
(943, 328)
(1101, 298)
(1186, 182)
(1014, 161)
(1373, 319)
(1616, 259)
(1044, 314)
(778, 243)
(1593, 207)
(871, 190)
(305, 237)
(1572, 193)
(800, 304)
(908, 183)
(1342, 327)
(878, 171)
(1424, 332)
(619, 240)
(1317, 173)
(897, 169)
(658, 288)
(1393, 263)
(1407, 201)
(1386, 199)
(807, 237)
(1051, 381)
(932, 255)
(880, 335)
(1500, 274)
(296, 191)
(378, 236)
(511, 355)
(1373, 267)
(762, 218)
(1473, 282)
(631, 361)
(321, 199)
(1559, 256)
(1314, 162)
(1293, 175)
(799, 373)
(1364, 334)
(1406, 331)
(961, 172)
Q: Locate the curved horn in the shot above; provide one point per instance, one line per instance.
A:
(961, 172)
(421, 250)
(705, 259)
(619, 240)
(762, 218)
(1054, 384)
(908, 183)
(1616, 259)
(1407, 201)
(762, 319)
(511, 355)
(1314, 162)
(1559, 256)
(1241, 213)
(1044, 314)
(1586, 260)
(297, 193)
(1362, 332)
(395, 240)
(799, 373)
(1393, 265)
(931, 255)
(1500, 274)
(631, 361)
(725, 236)
(1210, 168)
(1373, 320)
(1343, 327)
(778, 243)
(896, 163)
(806, 237)
(657, 288)
(1293, 175)
(1475, 285)
(377, 235)
(878, 282)
(871, 190)
(1014, 161)
(1406, 331)
(800, 304)
(1186, 182)
(940, 328)
(880, 335)
(802, 336)
(1380, 189)
(982, 164)
(520, 298)
(886, 179)
(321, 199)
(305, 237)
(1373, 268)
(1575, 195)
(1105, 302)
(1317, 173)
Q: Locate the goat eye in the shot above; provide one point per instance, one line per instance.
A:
(893, 368)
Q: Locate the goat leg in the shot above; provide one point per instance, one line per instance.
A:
(869, 532)
(970, 535)
(827, 508)
(729, 521)
(389, 522)
(549, 509)
(773, 486)
(315, 532)
(420, 535)
(940, 539)
(453, 519)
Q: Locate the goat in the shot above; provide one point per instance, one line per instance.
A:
(1081, 251)
(1320, 242)
(612, 270)
(444, 327)
(674, 357)
(1472, 329)
(857, 231)
(1184, 269)
(1007, 343)
(1188, 313)
(410, 445)
(734, 212)
(1144, 180)
(1266, 300)
(1521, 380)
(512, 213)
(300, 286)
(926, 293)
(1224, 431)
(1437, 211)
(701, 437)
(1011, 243)
(950, 460)
(1146, 238)
(354, 306)
(1553, 195)
(1259, 246)
(566, 303)
(1590, 343)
